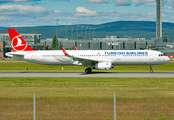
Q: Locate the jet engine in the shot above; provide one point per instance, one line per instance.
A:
(103, 66)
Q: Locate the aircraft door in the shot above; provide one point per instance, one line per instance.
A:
(33, 56)
(151, 56)
(118, 57)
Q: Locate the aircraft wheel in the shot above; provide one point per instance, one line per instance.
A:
(88, 70)
(151, 71)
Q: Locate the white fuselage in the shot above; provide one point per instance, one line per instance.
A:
(116, 57)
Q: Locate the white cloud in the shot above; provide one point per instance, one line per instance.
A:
(138, 16)
(61, 13)
(58, 11)
(82, 11)
(168, 4)
(122, 2)
(145, 2)
(168, 7)
(21, 10)
(98, 1)
(5, 1)
(107, 13)
(2, 18)
(25, 15)
(64, 0)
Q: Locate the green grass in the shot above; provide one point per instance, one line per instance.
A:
(87, 87)
(20, 66)
(91, 98)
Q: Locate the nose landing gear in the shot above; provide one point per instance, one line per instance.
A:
(151, 71)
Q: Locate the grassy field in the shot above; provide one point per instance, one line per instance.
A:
(87, 98)
(20, 66)
(95, 87)
(84, 87)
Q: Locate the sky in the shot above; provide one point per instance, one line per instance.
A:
(19, 13)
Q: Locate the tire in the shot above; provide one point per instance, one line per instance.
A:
(88, 70)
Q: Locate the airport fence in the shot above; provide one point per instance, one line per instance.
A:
(86, 108)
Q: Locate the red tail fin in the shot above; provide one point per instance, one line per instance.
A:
(18, 43)
(75, 47)
(65, 53)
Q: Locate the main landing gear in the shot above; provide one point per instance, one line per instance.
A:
(151, 71)
(88, 70)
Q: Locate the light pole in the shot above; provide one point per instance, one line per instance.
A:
(85, 32)
(72, 31)
(57, 35)
(81, 31)
(89, 32)
(93, 32)
(77, 30)
(66, 30)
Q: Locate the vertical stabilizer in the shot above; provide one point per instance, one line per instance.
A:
(17, 42)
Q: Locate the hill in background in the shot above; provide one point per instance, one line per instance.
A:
(134, 29)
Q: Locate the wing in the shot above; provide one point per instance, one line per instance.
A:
(84, 61)
(79, 60)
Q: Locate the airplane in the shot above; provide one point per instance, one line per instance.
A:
(93, 59)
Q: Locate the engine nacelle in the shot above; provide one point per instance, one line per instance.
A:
(103, 66)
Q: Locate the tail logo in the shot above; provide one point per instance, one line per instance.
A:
(17, 43)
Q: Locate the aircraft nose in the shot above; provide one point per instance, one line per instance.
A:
(167, 59)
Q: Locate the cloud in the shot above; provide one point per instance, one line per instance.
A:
(61, 13)
(168, 16)
(82, 11)
(20, 10)
(122, 2)
(6, 1)
(60, 0)
(2, 18)
(98, 1)
(144, 16)
(168, 7)
(168, 4)
(65, 0)
(129, 15)
(145, 2)
(25, 15)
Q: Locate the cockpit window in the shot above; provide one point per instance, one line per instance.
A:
(161, 55)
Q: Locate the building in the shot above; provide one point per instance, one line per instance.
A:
(31, 39)
(40, 46)
(2, 50)
(116, 43)
(119, 44)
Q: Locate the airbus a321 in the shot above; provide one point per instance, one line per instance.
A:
(93, 59)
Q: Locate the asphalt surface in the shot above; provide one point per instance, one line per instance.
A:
(100, 74)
